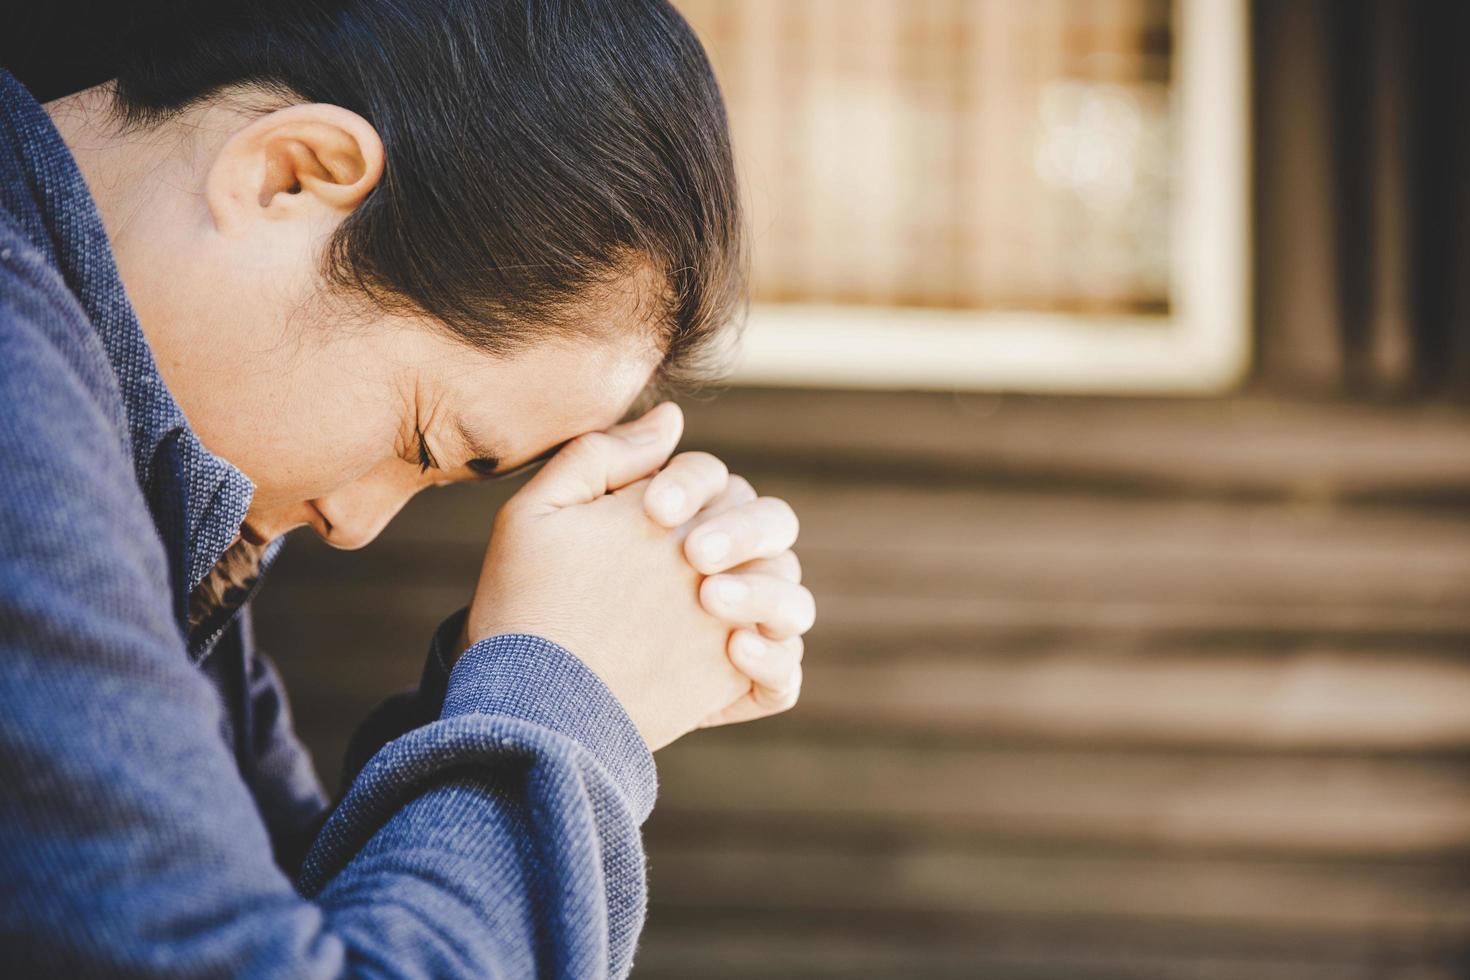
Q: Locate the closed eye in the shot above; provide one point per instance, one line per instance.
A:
(485, 467)
(426, 459)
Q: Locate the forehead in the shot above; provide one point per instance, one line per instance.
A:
(523, 403)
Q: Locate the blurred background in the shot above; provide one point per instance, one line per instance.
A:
(1114, 355)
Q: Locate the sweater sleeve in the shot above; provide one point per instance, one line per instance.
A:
(408, 709)
(501, 840)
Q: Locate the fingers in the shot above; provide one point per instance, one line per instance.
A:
(737, 491)
(785, 565)
(773, 666)
(663, 416)
(684, 487)
(782, 608)
(596, 462)
(760, 528)
(775, 672)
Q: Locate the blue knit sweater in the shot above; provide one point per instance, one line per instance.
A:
(157, 816)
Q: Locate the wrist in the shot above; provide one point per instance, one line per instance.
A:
(537, 680)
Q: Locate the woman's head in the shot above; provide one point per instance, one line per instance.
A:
(349, 224)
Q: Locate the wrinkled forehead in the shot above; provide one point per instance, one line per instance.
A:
(518, 406)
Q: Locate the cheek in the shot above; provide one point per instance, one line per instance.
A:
(299, 403)
(305, 440)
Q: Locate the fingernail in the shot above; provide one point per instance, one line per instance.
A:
(750, 646)
(714, 546)
(731, 590)
(667, 499)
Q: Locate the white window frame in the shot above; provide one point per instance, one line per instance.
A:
(1201, 347)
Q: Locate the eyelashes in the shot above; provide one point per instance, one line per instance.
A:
(426, 459)
(484, 467)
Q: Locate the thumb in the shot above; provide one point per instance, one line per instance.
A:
(597, 462)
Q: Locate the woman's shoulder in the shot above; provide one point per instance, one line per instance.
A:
(63, 426)
(49, 343)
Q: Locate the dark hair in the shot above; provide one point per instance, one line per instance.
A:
(537, 151)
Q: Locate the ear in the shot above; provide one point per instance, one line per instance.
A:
(304, 160)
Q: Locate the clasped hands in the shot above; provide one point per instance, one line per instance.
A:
(670, 578)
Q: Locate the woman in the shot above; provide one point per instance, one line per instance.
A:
(297, 263)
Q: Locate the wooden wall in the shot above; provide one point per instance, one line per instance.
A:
(1122, 689)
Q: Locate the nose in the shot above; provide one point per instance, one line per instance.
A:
(356, 514)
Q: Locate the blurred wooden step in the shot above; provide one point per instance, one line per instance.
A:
(718, 949)
(1392, 901)
(1315, 700)
(895, 618)
(1240, 447)
(867, 790)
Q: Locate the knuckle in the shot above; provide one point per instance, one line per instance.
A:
(787, 565)
(780, 512)
(803, 607)
(789, 694)
(588, 446)
(637, 488)
(740, 488)
(745, 525)
(711, 592)
(705, 463)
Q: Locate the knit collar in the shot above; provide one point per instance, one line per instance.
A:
(44, 191)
